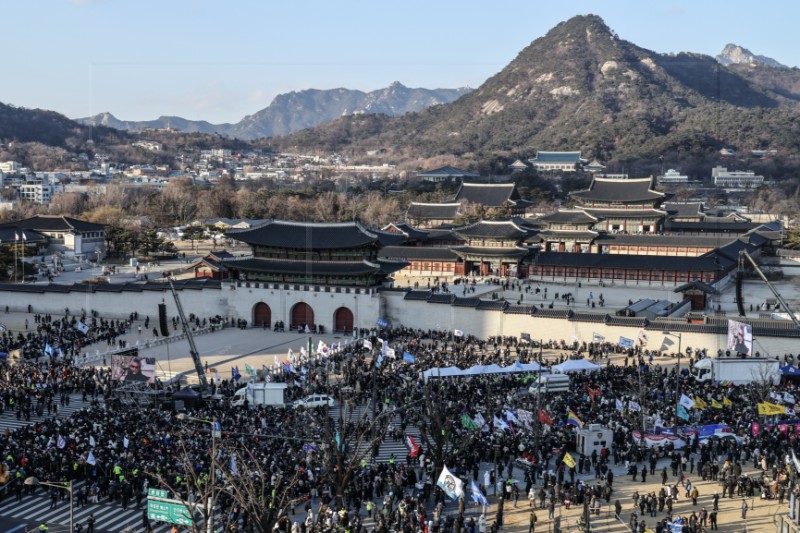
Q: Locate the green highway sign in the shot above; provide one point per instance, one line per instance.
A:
(171, 511)
(157, 493)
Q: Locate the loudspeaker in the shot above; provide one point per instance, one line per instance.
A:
(739, 299)
(162, 320)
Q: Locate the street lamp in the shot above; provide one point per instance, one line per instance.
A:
(33, 482)
(215, 433)
(677, 373)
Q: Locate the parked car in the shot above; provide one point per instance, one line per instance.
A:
(315, 400)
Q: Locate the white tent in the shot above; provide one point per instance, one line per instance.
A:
(575, 365)
(480, 370)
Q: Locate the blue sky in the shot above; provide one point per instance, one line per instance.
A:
(221, 60)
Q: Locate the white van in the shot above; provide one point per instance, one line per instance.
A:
(550, 383)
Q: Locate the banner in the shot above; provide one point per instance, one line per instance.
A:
(596, 337)
(625, 342)
(569, 461)
(643, 339)
(652, 440)
(740, 337)
(769, 409)
(408, 358)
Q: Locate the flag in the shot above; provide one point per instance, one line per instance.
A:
(788, 398)
(83, 328)
(478, 496)
(634, 406)
(458, 333)
(573, 419)
(90, 459)
(511, 416)
(726, 402)
(769, 409)
(525, 417)
(48, 350)
(619, 405)
(310, 448)
(686, 402)
(715, 404)
(249, 370)
(568, 460)
(307, 330)
(593, 393)
(285, 366)
(92, 442)
(234, 469)
(544, 418)
(322, 347)
(24, 238)
(407, 357)
(499, 424)
(795, 461)
(413, 447)
(450, 484)
(390, 353)
(479, 420)
(235, 373)
(682, 412)
(61, 442)
(125, 441)
(379, 360)
(596, 337)
(16, 236)
(699, 403)
(366, 344)
(467, 422)
(290, 353)
(339, 445)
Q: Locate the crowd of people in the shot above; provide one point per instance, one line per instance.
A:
(301, 470)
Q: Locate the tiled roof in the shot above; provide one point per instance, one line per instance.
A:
(417, 295)
(684, 209)
(313, 235)
(722, 225)
(552, 313)
(448, 172)
(57, 223)
(488, 194)
(440, 298)
(519, 309)
(695, 241)
(624, 213)
(408, 230)
(641, 262)
(568, 216)
(619, 190)
(490, 252)
(627, 321)
(11, 233)
(556, 157)
(505, 230)
(566, 234)
(492, 305)
(696, 284)
(442, 211)
(180, 284)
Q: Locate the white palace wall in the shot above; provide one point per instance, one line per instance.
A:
(367, 305)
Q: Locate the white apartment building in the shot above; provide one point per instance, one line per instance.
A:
(736, 179)
(40, 193)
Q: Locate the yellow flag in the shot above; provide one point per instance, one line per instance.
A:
(727, 402)
(699, 403)
(715, 404)
(569, 461)
(768, 409)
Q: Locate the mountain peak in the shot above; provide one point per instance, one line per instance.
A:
(733, 54)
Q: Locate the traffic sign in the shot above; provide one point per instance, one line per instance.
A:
(173, 513)
(157, 493)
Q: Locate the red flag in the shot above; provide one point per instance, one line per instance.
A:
(413, 447)
(544, 418)
(593, 393)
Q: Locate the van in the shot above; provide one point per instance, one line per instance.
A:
(550, 383)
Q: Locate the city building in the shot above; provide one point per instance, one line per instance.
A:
(37, 192)
(622, 205)
(736, 179)
(65, 235)
(563, 161)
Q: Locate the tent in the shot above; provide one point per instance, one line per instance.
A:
(790, 372)
(575, 365)
(480, 370)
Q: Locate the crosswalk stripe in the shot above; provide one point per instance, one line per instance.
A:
(31, 508)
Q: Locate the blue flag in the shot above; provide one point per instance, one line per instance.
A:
(409, 358)
(478, 496)
(682, 413)
(235, 373)
(379, 360)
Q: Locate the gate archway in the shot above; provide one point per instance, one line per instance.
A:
(343, 320)
(302, 315)
(262, 315)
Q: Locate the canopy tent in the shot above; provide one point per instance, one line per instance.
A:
(575, 365)
(789, 371)
(480, 370)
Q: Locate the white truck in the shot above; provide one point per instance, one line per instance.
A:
(261, 394)
(738, 371)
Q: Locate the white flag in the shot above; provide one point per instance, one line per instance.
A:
(125, 441)
(61, 442)
(619, 405)
(686, 402)
(788, 398)
(90, 459)
(24, 238)
(634, 406)
(366, 344)
(83, 328)
(450, 484)
(458, 333)
(92, 442)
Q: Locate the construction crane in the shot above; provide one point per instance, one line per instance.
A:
(744, 254)
(198, 366)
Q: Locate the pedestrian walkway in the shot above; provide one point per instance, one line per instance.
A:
(109, 517)
(8, 420)
(358, 413)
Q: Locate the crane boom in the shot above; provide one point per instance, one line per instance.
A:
(192, 347)
(772, 288)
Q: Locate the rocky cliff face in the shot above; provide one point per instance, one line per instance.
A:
(734, 54)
